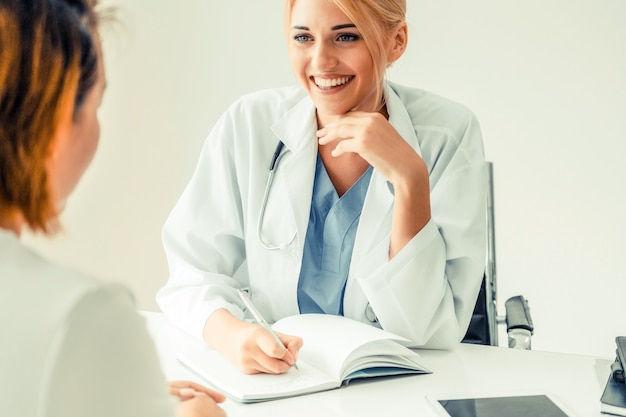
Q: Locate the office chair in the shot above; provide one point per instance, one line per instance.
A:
(483, 328)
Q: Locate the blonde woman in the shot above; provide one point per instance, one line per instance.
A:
(374, 210)
(71, 346)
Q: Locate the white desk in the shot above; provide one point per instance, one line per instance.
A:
(576, 381)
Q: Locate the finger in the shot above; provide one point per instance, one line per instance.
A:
(255, 361)
(182, 393)
(272, 357)
(270, 346)
(259, 362)
(324, 136)
(217, 396)
(292, 343)
(186, 393)
(290, 354)
(173, 391)
(338, 132)
(175, 386)
(345, 146)
(188, 389)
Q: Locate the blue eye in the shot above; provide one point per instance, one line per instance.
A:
(301, 38)
(348, 37)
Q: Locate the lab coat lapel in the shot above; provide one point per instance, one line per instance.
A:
(375, 220)
(297, 131)
(400, 118)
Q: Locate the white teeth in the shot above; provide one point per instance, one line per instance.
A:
(331, 82)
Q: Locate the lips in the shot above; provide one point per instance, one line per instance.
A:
(330, 83)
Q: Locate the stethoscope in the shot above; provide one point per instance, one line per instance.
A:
(273, 166)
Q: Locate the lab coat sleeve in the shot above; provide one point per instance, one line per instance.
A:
(103, 362)
(427, 292)
(203, 236)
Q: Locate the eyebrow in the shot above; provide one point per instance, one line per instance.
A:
(344, 26)
(338, 27)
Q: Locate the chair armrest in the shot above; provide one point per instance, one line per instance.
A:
(518, 314)
(519, 323)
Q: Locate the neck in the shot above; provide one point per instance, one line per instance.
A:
(325, 119)
(12, 221)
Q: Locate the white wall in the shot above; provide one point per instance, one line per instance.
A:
(547, 80)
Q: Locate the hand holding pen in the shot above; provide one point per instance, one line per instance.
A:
(289, 350)
(248, 346)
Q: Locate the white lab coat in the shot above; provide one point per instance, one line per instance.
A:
(426, 293)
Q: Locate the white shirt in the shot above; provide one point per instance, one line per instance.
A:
(426, 293)
(71, 346)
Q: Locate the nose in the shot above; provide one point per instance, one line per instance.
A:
(324, 58)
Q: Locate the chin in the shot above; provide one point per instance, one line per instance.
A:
(332, 110)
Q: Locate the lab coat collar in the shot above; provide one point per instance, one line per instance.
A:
(297, 130)
(399, 117)
(297, 126)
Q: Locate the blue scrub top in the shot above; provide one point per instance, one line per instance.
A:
(329, 242)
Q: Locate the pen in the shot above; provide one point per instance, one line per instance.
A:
(259, 318)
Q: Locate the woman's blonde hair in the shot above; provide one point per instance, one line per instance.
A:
(375, 20)
(48, 64)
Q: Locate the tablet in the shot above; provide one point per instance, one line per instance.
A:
(496, 406)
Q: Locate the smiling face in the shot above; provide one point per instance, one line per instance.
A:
(331, 60)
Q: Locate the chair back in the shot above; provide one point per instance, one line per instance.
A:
(483, 327)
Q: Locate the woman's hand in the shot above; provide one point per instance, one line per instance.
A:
(372, 137)
(196, 400)
(375, 140)
(250, 347)
(201, 405)
(185, 390)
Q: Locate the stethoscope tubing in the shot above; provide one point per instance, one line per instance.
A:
(270, 179)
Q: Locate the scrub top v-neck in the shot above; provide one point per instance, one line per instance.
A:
(329, 241)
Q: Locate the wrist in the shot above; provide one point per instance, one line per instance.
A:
(218, 326)
(412, 186)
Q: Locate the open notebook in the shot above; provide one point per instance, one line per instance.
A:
(336, 350)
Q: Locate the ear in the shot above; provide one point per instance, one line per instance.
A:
(398, 42)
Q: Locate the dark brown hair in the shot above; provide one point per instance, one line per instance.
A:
(48, 64)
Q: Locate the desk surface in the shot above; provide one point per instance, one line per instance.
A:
(575, 381)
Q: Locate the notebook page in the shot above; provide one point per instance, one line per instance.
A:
(329, 340)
